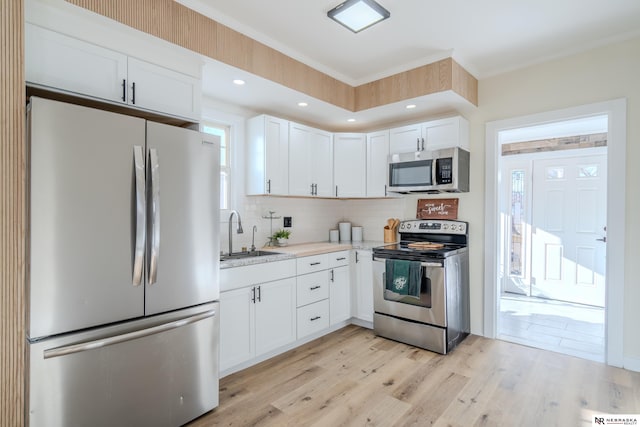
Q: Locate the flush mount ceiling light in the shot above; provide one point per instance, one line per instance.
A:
(357, 15)
(238, 82)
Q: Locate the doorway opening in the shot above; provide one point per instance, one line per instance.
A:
(553, 199)
(616, 111)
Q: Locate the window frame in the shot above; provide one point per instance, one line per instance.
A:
(227, 168)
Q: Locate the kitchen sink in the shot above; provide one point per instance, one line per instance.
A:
(247, 254)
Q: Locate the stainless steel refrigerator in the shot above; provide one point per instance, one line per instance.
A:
(123, 324)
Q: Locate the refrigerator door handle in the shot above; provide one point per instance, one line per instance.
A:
(141, 211)
(155, 215)
(91, 345)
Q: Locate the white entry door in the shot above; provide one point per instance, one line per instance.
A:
(568, 229)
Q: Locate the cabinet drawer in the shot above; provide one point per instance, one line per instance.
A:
(338, 259)
(313, 318)
(311, 264)
(313, 287)
(243, 276)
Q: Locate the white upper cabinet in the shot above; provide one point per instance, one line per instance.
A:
(159, 89)
(63, 63)
(446, 133)
(429, 136)
(310, 161)
(349, 164)
(377, 158)
(405, 139)
(60, 62)
(267, 156)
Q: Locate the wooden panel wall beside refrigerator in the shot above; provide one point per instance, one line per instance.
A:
(12, 213)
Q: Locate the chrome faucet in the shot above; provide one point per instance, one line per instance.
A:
(253, 238)
(239, 230)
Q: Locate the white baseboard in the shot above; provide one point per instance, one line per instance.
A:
(632, 364)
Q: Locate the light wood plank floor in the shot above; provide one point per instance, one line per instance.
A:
(353, 378)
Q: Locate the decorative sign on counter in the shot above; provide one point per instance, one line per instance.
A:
(437, 209)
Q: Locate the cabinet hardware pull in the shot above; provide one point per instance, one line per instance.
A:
(315, 318)
(269, 186)
(124, 90)
(313, 288)
(357, 257)
(312, 189)
(315, 263)
(133, 95)
(253, 295)
(340, 259)
(417, 144)
(259, 294)
(336, 191)
(422, 144)
(332, 276)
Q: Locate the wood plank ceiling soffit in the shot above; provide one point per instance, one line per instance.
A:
(184, 27)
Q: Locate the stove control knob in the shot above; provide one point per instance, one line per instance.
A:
(454, 227)
(445, 227)
(461, 227)
(409, 225)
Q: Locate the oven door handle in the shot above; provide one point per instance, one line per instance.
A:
(422, 264)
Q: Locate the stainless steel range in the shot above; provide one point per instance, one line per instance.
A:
(421, 285)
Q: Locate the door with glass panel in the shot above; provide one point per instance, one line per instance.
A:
(554, 225)
(569, 229)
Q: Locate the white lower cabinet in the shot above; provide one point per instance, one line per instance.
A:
(313, 318)
(275, 315)
(364, 285)
(255, 320)
(339, 287)
(296, 299)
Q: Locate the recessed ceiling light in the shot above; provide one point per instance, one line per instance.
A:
(302, 104)
(410, 106)
(357, 15)
(238, 82)
(351, 120)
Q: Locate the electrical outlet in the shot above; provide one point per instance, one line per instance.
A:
(287, 221)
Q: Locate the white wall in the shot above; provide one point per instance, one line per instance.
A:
(598, 75)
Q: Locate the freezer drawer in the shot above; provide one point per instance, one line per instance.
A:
(161, 371)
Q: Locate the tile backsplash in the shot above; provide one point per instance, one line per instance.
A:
(312, 218)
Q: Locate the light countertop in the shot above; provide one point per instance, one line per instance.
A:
(299, 250)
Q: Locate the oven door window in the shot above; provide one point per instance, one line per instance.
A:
(411, 174)
(424, 300)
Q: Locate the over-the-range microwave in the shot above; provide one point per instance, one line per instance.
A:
(445, 170)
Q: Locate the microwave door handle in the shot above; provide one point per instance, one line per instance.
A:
(155, 215)
(434, 174)
(141, 212)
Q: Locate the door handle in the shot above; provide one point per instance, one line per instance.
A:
(99, 343)
(155, 215)
(141, 213)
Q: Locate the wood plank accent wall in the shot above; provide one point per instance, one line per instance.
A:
(12, 214)
(555, 144)
(180, 25)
